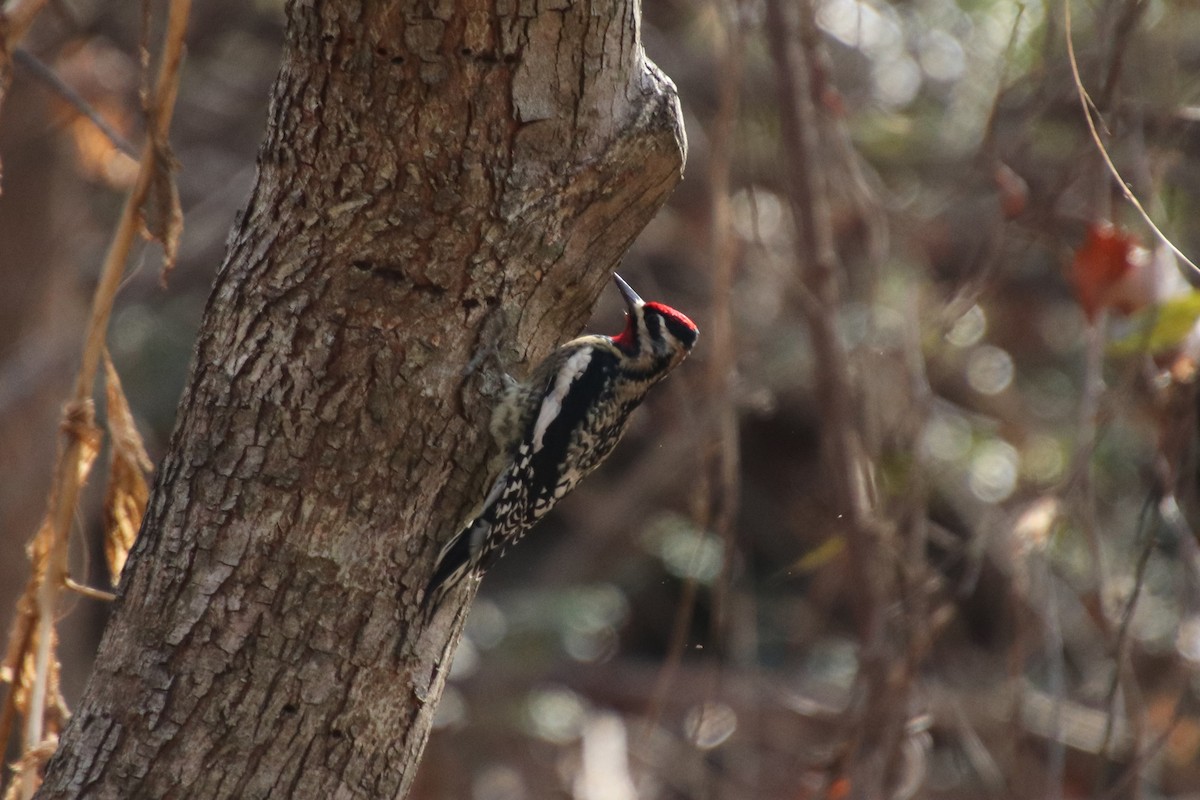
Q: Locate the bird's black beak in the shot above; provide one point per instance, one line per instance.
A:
(631, 297)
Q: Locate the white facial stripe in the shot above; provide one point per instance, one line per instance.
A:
(643, 331)
(552, 403)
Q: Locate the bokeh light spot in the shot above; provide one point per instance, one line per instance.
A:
(994, 469)
(968, 329)
(947, 437)
(1043, 459)
(989, 370)
(708, 725)
(556, 715)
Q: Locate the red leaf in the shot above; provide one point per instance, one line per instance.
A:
(1110, 271)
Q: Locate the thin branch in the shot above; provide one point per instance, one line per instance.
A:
(816, 257)
(1123, 672)
(987, 144)
(1085, 102)
(684, 611)
(1084, 490)
(50, 78)
(1125, 25)
(118, 252)
(718, 490)
(876, 711)
(90, 591)
(1119, 787)
(722, 484)
(19, 640)
(78, 428)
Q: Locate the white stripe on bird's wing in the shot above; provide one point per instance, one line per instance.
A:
(552, 402)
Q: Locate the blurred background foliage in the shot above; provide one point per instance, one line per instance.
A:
(1022, 347)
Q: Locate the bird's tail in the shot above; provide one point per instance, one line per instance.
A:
(459, 558)
(463, 555)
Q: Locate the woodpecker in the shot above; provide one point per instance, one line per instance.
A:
(559, 425)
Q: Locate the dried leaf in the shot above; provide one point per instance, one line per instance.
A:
(124, 505)
(56, 712)
(162, 214)
(21, 673)
(27, 675)
(160, 209)
(79, 427)
(23, 679)
(127, 492)
(21, 637)
(38, 551)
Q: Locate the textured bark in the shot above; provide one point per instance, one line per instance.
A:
(436, 176)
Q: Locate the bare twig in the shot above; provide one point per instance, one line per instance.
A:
(716, 499)
(1085, 103)
(684, 610)
(1123, 29)
(165, 91)
(1056, 687)
(50, 78)
(16, 16)
(987, 144)
(1124, 679)
(90, 592)
(1151, 751)
(819, 298)
(1081, 466)
(721, 483)
(80, 437)
(851, 481)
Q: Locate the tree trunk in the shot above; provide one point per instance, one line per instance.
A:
(433, 183)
